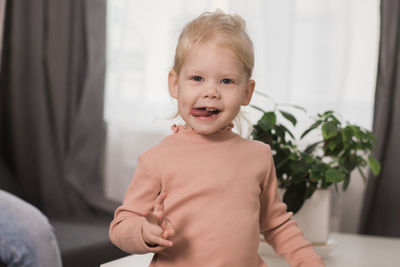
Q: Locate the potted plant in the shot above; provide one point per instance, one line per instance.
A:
(340, 149)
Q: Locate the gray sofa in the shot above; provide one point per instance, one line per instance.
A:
(85, 243)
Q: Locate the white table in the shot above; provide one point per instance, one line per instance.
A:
(351, 251)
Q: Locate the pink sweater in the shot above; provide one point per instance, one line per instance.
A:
(221, 193)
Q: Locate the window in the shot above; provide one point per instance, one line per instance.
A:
(319, 54)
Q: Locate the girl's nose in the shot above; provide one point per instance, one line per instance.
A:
(211, 92)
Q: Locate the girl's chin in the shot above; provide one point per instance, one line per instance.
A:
(206, 129)
(207, 125)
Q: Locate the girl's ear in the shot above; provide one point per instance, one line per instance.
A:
(173, 84)
(248, 92)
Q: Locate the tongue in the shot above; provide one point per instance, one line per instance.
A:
(200, 112)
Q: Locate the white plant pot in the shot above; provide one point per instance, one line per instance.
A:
(313, 217)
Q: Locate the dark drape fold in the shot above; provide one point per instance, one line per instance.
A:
(381, 213)
(52, 132)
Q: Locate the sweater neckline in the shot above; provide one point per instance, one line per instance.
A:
(185, 132)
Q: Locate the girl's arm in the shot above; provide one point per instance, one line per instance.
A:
(279, 229)
(126, 228)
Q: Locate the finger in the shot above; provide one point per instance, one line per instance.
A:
(159, 205)
(157, 249)
(166, 234)
(157, 215)
(159, 241)
(153, 229)
(169, 230)
(151, 217)
(170, 227)
(163, 223)
(169, 233)
(159, 209)
(156, 220)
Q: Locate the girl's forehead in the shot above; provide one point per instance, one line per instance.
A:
(212, 41)
(212, 53)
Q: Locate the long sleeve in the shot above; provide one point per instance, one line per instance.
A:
(279, 229)
(125, 229)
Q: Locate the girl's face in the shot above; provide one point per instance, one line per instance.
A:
(210, 88)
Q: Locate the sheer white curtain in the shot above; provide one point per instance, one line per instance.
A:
(320, 54)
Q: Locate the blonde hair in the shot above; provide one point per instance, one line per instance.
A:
(227, 30)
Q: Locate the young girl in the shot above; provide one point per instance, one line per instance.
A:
(203, 195)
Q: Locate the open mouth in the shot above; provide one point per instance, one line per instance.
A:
(204, 112)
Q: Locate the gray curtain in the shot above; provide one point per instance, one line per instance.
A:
(52, 131)
(381, 211)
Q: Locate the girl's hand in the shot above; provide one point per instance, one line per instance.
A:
(157, 229)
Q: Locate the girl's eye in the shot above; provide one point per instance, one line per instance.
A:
(226, 81)
(197, 78)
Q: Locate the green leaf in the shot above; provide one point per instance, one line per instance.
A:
(269, 117)
(328, 113)
(312, 127)
(265, 125)
(289, 117)
(280, 132)
(347, 137)
(350, 161)
(329, 130)
(308, 159)
(334, 175)
(286, 130)
(320, 167)
(261, 135)
(300, 108)
(334, 119)
(362, 175)
(315, 176)
(298, 167)
(267, 121)
(293, 156)
(370, 136)
(346, 183)
(374, 165)
(312, 147)
(332, 145)
(281, 162)
(356, 131)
